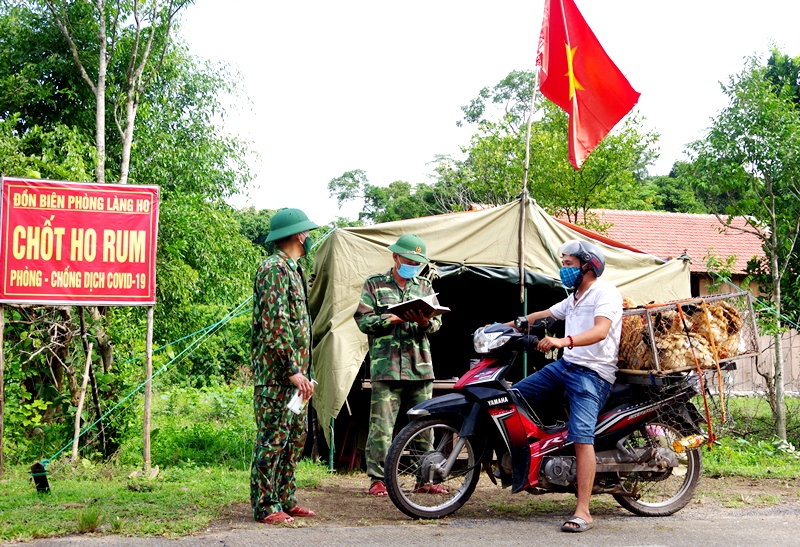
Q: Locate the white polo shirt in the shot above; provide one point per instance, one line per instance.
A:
(601, 300)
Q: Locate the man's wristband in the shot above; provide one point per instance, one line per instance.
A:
(571, 342)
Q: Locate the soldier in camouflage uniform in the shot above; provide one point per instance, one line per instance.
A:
(280, 351)
(399, 352)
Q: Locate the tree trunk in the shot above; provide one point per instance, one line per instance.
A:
(780, 402)
(105, 348)
(100, 98)
(72, 384)
(63, 343)
(87, 348)
(99, 409)
(79, 407)
(127, 136)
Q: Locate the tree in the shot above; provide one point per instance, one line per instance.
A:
(48, 129)
(58, 153)
(493, 169)
(752, 150)
(137, 30)
(398, 201)
(674, 193)
(610, 177)
(254, 224)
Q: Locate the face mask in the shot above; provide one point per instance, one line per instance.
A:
(307, 244)
(569, 275)
(407, 271)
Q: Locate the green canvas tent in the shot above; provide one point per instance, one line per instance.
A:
(475, 258)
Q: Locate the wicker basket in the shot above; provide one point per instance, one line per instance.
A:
(684, 334)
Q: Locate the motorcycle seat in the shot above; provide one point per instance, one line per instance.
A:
(621, 393)
(526, 409)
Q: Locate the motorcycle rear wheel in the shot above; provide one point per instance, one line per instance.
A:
(660, 494)
(412, 473)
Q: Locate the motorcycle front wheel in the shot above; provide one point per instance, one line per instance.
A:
(661, 493)
(414, 470)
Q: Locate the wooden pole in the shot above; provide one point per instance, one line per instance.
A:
(524, 197)
(148, 389)
(523, 205)
(2, 384)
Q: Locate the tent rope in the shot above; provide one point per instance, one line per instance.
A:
(204, 334)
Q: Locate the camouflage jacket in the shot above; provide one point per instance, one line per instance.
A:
(401, 351)
(280, 343)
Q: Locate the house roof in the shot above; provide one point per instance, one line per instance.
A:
(669, 235)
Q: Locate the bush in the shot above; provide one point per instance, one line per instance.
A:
(210, 426)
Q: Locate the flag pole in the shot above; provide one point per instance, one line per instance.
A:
(524, 196)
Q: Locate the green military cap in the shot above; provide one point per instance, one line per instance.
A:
(412, 247)
(287, 222)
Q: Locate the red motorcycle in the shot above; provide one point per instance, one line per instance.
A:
(485, 424)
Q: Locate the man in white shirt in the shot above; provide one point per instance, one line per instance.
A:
(587, 369)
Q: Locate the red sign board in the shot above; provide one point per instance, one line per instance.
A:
(80, 244)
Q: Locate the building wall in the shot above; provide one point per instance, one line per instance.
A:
(702, 284)
(745, 378)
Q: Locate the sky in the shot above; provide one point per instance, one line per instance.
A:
(335, 86)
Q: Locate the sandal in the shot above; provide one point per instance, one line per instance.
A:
(298, 511)
(378, 490)
(578, 525)
(277, 518)
(430, 489)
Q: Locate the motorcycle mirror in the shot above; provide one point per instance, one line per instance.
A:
(544, 323)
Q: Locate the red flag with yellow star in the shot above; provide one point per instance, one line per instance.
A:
(577, 74)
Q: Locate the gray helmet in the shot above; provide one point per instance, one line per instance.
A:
(587, 253)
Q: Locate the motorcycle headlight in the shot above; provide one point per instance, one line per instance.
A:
(486, 342)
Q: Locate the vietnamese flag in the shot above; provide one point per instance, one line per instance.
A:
(577, 74)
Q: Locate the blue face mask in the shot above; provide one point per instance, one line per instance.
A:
(569, 275)
(407, 271)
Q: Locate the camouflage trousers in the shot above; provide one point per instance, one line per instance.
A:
(387, 400)
(280, 437)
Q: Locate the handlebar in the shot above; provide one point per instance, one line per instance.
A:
(545, 323)
(529, 342)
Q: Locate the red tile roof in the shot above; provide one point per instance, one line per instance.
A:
(669, 235)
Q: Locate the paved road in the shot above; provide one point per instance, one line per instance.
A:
(774, 526)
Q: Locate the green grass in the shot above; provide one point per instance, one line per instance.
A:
(210, 426)
(179, 501)
(90, 519)
(202, 440)
(746, 445)
(757, 459)
(309, 474)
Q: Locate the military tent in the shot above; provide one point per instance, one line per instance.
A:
(475, 269)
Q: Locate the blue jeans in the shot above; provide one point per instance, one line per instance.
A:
(585, 390)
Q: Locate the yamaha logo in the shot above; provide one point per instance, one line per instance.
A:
(498, 401)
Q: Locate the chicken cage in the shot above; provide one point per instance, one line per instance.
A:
(699, 333)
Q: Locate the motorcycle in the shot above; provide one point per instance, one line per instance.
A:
(434, 463)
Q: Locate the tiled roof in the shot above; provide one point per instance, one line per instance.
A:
(669, 235)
